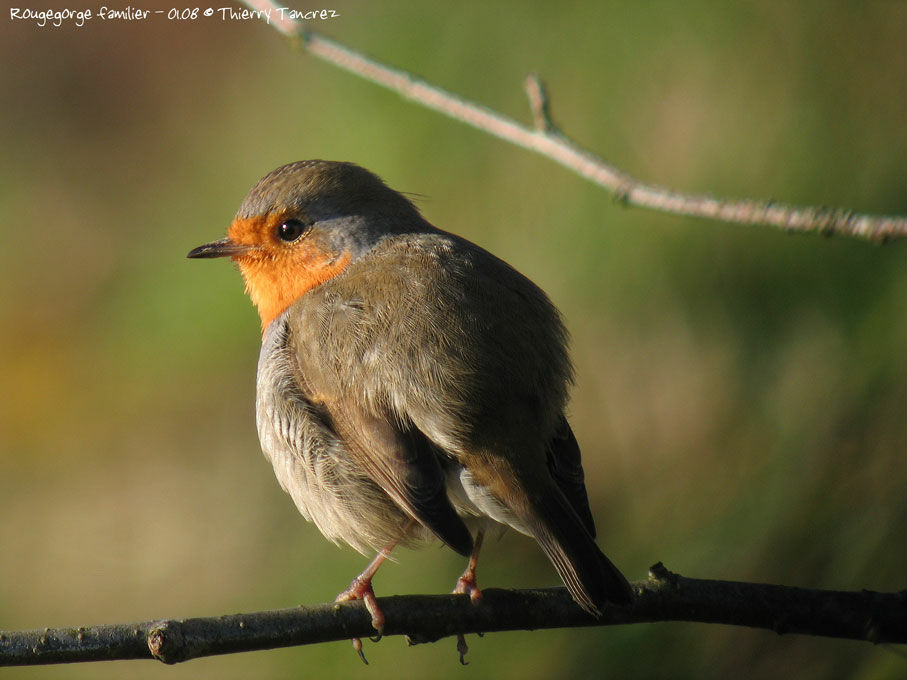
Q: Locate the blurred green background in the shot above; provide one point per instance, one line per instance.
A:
(741, 393)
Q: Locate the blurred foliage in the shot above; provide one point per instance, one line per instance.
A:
(741, 393)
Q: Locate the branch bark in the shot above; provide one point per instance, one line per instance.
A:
(665, 596)
(546, 139)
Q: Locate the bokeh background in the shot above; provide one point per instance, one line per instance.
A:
(741, 393)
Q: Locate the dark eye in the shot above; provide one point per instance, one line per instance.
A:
(290, 230)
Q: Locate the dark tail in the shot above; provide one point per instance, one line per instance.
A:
(590, 577)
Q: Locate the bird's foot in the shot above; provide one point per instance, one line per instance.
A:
(361, 589)
(466, 585)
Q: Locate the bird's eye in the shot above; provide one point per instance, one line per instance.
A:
(290, 230)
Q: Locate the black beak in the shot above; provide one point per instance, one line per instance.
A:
(223, 248)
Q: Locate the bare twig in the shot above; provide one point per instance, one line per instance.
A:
(874, 617)
(538, 103)
(548, 141)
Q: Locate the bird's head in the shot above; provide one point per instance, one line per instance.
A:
(303, 224)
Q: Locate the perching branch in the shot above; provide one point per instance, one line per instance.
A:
(874, 617)
(547, 140)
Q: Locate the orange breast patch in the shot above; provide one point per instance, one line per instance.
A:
(278, 273)
(275, 284)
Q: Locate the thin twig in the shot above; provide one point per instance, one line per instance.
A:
(550, 142)
(869, 616)
(538, 103)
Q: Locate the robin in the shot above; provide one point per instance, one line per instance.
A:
(411, 385)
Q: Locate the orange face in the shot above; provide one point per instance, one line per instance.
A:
(276, 271)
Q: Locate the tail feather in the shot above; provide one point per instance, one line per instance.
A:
(590, 577)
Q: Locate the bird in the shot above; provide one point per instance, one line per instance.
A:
(411, 385)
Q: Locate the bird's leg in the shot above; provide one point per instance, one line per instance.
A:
(361, 589)
(466, 585)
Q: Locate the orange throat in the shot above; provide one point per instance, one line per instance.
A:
(273, 286)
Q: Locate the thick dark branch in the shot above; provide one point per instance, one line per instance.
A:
(550, 142)
(870, 616)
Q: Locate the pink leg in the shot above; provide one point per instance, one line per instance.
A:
(361, 589)
(466, 585)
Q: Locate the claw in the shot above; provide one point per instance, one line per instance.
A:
(462, 649)
(357, 645)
